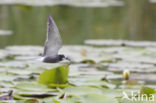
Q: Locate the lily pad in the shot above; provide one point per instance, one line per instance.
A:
(58, 75)
(87, 98)
(97, 98)
(33, 86)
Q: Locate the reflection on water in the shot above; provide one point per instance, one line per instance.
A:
(76, 24)
(78, 3)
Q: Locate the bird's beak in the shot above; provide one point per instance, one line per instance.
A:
(67, 58)
(70, 60)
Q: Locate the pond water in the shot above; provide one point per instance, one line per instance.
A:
(28, 24)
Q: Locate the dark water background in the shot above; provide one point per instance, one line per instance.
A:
(76, 24)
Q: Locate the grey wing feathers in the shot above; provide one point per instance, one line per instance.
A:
(53, 42)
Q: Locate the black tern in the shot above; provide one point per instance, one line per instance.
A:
(52, 44)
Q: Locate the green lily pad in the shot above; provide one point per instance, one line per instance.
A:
(59, 85)
(7, 77)
(57, 75)
(87, 98)
(88, 61)
(33, 86)
(82, 90)
(97, 98)
(94, 84)
(31, 101)
(147, 90)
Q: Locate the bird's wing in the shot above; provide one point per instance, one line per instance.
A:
(53, 42)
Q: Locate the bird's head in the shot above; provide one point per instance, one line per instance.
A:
(61, 57)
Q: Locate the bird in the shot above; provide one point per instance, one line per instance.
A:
(52, 44)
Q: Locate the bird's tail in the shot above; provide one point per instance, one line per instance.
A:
(36, 58)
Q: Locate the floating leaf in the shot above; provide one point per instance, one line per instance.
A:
(57, 75)
(59, 85)
(31, 101)
(97, 98)
(94, 84)
(88, 61)
(33, 86)
(147, 90)
(87, 98)
(39, 94)
(7, 77)
(81, 90)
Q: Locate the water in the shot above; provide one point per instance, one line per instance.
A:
(76, 24)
